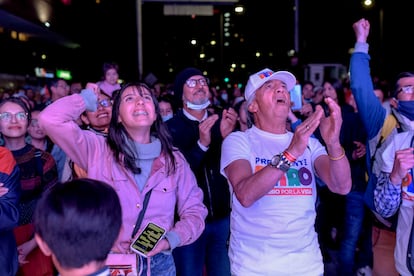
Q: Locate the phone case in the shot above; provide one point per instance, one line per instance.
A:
(148, 239)
(296, 97)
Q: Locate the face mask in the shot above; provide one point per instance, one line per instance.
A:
(406, 108)
(198, 106)
(167, 117)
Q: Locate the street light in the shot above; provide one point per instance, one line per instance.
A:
(239, 9)
(370, 4)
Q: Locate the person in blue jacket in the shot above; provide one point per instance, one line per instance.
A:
(9, 212)
(380, 127)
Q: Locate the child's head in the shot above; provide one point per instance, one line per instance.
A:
(110, 72)
(77, 222)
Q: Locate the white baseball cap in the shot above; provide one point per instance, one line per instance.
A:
(258, 79)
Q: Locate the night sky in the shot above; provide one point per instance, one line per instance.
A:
(107, 32)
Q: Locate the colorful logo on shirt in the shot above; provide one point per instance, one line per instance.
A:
(408, 187)
(296, 181)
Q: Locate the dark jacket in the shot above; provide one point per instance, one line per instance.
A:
(9, 212)
(204, 164)
(353, 130)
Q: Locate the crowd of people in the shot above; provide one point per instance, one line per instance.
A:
(238, 181)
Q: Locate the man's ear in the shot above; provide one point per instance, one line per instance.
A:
(394, 102)
(43, 246)
(252, 107)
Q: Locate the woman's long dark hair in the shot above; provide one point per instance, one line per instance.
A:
(123, 145)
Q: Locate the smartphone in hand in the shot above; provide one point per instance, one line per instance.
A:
(148, 239)
(296, 97)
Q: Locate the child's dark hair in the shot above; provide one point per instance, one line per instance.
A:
(79, 221)
(110, 65)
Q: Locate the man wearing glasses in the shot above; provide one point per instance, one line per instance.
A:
(199, 134)
(58, 88)
(390, 191)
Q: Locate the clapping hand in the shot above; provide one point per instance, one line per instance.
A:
(330, 127)
(228, 122)
(204, 129)
(304, 131)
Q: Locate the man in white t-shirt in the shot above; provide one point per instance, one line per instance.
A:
(272, 173)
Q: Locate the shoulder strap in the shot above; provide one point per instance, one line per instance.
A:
(141, 214)
(390, 124)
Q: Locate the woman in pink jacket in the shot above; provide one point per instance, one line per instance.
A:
(137, 157)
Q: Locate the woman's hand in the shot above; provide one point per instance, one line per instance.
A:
(163, 245)
(94, 87)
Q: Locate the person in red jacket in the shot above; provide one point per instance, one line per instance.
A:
(9, 211)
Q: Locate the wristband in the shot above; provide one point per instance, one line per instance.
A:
(290, 157)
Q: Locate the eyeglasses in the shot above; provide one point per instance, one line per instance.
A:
(104, 103)
(7, 116)
(408, 89)
(193, 82)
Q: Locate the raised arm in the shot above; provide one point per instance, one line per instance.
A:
(59, 123)
(369, 107)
